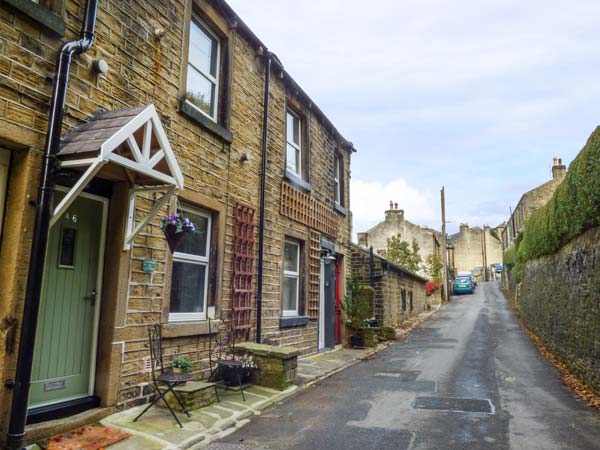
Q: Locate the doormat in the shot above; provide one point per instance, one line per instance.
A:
(90, 437)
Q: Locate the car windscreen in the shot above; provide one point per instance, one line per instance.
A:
(462, 279)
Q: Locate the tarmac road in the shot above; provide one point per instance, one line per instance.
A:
(467, 379)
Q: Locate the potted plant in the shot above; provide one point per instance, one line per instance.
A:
(181, 364)
(357, 305)
(175, 226)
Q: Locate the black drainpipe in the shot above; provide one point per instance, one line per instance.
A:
(20, 385)
(263, 186)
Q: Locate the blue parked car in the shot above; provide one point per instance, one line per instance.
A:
(463, 284)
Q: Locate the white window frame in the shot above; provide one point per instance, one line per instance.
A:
(294, 275)
(195, 21)
(337, 179)
(4, 164)
(196, 260)
(290, 141)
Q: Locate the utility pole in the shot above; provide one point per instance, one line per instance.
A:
(446, 290)
(484, 249)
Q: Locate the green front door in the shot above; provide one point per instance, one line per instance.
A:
(65, 341)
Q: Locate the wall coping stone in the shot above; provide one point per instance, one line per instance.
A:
(268, 350)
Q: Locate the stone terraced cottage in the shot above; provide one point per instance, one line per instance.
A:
(166, 111)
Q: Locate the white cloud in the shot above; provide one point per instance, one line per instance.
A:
(369, 200)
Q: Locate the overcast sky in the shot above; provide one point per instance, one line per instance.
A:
(475, 95)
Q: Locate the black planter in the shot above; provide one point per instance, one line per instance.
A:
(357, 341)
(230, 377)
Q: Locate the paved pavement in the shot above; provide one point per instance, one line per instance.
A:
(467, 379)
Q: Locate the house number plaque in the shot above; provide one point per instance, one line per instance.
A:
(149, 265)
(54, 385)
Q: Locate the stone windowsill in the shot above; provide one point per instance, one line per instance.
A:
(297, 321)
(192, 113)
(339, 208)
(296, 181)
(181, 329)
(40, 14)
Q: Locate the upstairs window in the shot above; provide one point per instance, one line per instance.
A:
(189, 276)
(337, 179)
(294, 144)
(202, 84)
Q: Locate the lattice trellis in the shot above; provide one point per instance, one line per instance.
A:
(242, 289)
(314, 275)
(303, 208)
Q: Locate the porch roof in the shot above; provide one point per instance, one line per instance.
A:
(123, 145)
(132, 140)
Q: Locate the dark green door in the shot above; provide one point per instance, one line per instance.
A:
(64, 353)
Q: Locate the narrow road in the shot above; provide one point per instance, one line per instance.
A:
(467, 379)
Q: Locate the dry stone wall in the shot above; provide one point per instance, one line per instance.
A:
(558, 299)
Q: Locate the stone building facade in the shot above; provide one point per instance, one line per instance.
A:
(156, 54)
(398, 293)
(530, 201)
(429, 240)
(475, 248)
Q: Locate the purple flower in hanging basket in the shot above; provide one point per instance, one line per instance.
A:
(174, 227)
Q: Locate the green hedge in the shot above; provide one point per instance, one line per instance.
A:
(573, 209)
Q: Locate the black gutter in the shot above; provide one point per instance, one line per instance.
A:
(20, 386)
(263, 187)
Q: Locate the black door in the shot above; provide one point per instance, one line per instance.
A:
(329, 304)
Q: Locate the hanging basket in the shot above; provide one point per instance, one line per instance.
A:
(175, 227)
(173, 237)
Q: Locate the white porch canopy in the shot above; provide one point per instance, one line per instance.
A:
(124, 145)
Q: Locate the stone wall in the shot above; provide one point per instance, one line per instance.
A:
(391, 284)
(558, 300)
(144, 69)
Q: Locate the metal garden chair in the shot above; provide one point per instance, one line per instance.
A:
(165, 378)
(222, 358)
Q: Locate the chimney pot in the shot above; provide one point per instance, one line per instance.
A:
(391, 204)
(395, 205)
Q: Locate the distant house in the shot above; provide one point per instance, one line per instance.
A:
(532, 200)
(476, 248)
(429, 240)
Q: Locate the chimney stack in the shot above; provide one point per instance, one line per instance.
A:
(558, 169)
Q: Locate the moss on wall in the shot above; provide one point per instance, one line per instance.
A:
(573, 209)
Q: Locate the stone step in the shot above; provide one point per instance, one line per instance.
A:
(193, 395)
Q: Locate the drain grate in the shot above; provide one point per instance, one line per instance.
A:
(403, 375)
(457, 404)
(227, 446)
